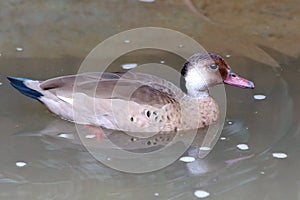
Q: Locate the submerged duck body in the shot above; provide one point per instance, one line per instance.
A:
(136, 102)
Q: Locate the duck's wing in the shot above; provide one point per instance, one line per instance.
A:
(124, 101)
(137, 87)
(66, 86)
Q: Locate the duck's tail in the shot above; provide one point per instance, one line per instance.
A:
(26, 86)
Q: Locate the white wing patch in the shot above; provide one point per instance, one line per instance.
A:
(66, 99)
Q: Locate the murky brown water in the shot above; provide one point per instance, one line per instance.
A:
(262, 38)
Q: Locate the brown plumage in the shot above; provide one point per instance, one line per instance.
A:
(135, 101)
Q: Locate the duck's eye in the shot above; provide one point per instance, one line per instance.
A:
(214, 66)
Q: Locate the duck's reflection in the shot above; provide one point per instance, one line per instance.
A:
(66, 162)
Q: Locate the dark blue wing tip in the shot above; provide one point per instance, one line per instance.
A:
(18, 83)
(16, 79)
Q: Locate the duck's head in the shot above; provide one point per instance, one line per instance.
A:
(204, 70)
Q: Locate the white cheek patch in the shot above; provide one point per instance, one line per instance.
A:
(197, 78)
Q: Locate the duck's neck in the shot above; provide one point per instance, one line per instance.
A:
(198, 94)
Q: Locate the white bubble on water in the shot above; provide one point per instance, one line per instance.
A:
(21, 164)
(223, 138)
(204, 148)
(19, 49)
(129, 65)
(242, 147)
(260, 97)
(279, 155)
(91, 136)
(201, 194)
(147, 1)
(66, 135)
(187, 159)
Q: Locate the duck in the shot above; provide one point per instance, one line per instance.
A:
(135, 101)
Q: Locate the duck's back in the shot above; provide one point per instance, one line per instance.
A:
(124, 101)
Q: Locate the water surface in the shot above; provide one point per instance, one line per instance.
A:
(38, 163)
